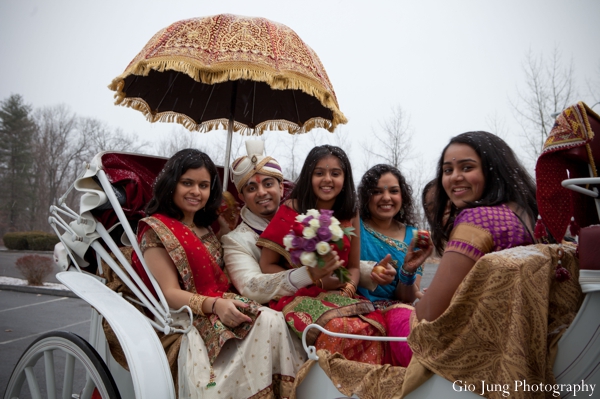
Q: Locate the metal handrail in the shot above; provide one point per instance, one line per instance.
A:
(312, 352)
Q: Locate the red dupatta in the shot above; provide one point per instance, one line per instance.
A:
(198, 270)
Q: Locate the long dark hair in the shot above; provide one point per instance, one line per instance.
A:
(428, 214)
(166, 182)
(506, 180)
(369, 182)
(345, 203)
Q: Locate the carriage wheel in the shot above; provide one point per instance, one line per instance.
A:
(68, 358)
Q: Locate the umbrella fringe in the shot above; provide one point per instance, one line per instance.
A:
(216, 124)
(234, 71)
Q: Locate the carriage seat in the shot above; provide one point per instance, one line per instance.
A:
(589, 248)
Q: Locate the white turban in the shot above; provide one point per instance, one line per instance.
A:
(255, 162)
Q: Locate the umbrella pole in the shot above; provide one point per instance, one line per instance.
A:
(234, 88)
(227, 153)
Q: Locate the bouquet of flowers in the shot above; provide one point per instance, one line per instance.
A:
(312, 237)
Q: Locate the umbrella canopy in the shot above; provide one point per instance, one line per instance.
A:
(200, 72)
(248, 74)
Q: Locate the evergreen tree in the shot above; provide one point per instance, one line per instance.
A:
(16, 133)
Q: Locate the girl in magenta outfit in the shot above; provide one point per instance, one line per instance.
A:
(493, 207)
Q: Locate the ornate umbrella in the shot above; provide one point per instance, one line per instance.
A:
(247, 74)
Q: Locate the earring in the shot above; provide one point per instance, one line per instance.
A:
(401, 213)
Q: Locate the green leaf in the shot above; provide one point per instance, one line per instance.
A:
(340, 244)
(349, 231)
(320, 262)
(342, 274)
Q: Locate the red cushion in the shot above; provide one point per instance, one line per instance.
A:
(589, 248)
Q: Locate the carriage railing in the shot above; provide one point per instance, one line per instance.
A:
(85, 231)
(312, 352)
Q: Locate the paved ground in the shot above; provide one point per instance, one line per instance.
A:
(25, 316)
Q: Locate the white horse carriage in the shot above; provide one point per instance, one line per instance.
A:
(114, 189)
(192, 73)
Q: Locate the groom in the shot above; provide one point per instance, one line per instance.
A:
(259, 182)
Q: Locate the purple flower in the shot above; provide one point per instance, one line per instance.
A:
(307, 220)
(296, 256)
(297, 242)
(324, 234)
(327, 212)
(310, 245)
(325, 220)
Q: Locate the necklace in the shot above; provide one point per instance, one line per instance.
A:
(191, 226)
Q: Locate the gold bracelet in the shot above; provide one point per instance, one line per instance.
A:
(350, 289)
(196, 302)
(320, 284)
(314, 280)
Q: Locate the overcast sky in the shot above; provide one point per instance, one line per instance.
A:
(451, 65)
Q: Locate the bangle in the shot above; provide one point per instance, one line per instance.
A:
(319, 283)
(213, 306)
(407, 279)
(406, 272)
(348, 290)
(195, 303)
(314, 280)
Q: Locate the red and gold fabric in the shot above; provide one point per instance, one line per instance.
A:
(198, 261)
(328, 309)
(572, 130)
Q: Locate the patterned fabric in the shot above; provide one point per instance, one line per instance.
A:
(359, 350)
(199, 272)
(485, 229)
(572, 129)
(222, 48)
(314, 305)
(502, 325)
(504, 321)
(244, 167)
(375, 246)
(262, 365)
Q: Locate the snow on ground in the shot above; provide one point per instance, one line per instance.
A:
(21, 282)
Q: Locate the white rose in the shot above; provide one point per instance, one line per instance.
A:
(315, 224)
(287, 242)
(300, 218)
(308, 259)
(313, 212)
(336, 232)
(323, 248)
(334, 221)
(309, 233)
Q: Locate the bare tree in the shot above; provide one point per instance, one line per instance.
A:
(58, 151)
(593, 86)
(294, 164)
(63, 143)
(98, 137)
(394, 140)
(177, 140)
(549, 89)
(497, 126)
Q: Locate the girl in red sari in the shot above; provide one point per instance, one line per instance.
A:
(232, 333)
(325, 182)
